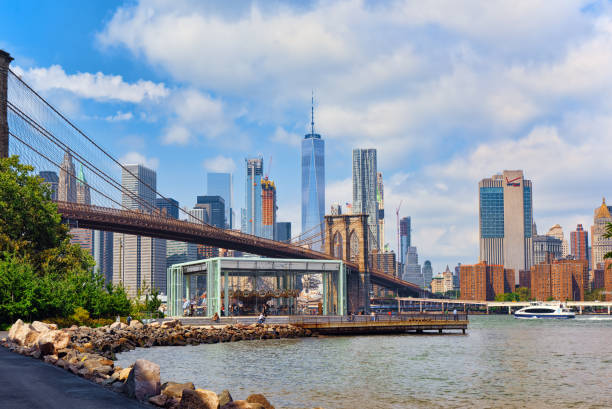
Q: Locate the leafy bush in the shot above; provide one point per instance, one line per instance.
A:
(80, 316)
(41, 273)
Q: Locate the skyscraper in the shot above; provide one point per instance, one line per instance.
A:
(137, 260)
(221, 184)
(580, 243)
(268, 209)
(215, 206)
(168, 206)
(427, 273)
(254, 172)
(600, 245)
(412, 269)
(283, 231)
(313, 182)
(67, 190)
(404, 238)
(546, 249)
(80, 236)
(506, 221)
(557, 231)
(364, 191)
(52, 180)
(380, 199)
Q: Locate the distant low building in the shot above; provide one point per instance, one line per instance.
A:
(525, 278)
(561, 280)
(443, 283)
(546, 249)
(437, 285)
(484, 281)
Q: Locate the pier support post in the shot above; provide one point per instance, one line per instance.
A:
(608, 310)
(487, 309)
(420, 306)
(509, 310)
(5, 60)
(581, 310)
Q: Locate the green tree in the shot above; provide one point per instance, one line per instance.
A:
(607, 235)
(523, 294)
(43, 275)
(17, 288)
(29, 222)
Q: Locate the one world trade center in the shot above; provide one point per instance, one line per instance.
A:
(313, 187)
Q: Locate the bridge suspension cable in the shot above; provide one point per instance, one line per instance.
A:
(20, 93)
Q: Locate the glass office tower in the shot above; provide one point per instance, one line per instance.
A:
(220, 184)
(254, 173)
(313, 184)
(364, 191)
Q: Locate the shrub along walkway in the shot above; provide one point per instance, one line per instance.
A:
(31, 383)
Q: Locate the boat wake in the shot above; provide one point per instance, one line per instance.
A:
(594, 318)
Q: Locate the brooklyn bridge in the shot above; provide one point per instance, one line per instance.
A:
(41, 135)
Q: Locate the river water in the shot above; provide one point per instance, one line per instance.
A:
(501, 362)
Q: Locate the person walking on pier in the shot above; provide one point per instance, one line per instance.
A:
(455, 314)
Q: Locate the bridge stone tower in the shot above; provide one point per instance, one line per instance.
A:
(346, 238)
(5, 60)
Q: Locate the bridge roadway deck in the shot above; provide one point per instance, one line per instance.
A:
(155, 225)
(353, 325)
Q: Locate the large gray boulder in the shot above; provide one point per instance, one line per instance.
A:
(175, 390)
(135, 324)
(118, 325)
(259, 398)
(51, 341)
(23, 334)
(199, 399)
(43, 327)
(144, 380)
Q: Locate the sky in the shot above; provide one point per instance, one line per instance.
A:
(448, 93)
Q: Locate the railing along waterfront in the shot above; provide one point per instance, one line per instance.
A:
(332, 319)
(315, 320)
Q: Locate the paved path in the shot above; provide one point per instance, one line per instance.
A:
(31, 383)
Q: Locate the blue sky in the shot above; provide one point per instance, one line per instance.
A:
(448, 92)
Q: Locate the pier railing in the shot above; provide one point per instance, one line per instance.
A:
(309, 320)
(331, 319)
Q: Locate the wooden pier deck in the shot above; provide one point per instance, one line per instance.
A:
(430, 322)
(383, 324)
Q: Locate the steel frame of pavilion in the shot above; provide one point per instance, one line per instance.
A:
(218, 270)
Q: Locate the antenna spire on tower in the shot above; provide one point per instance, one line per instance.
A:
(312, 114)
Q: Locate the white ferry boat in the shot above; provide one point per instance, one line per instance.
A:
(539, 310)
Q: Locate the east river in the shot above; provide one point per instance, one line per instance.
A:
(500, 362)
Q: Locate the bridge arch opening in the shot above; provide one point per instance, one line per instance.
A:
(353, 246)
(338, 253)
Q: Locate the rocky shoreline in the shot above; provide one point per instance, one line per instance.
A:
(90, 353)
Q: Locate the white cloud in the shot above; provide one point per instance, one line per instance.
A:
(219, 164)
(449, 93)
(136, 158)
(282, 136)
(119, 116)
(96, 86)
(176, 134)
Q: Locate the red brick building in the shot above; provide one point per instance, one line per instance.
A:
(525, 278)
(562, 280)
(483, 281)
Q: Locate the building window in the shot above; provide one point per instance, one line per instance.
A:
(491, 212)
